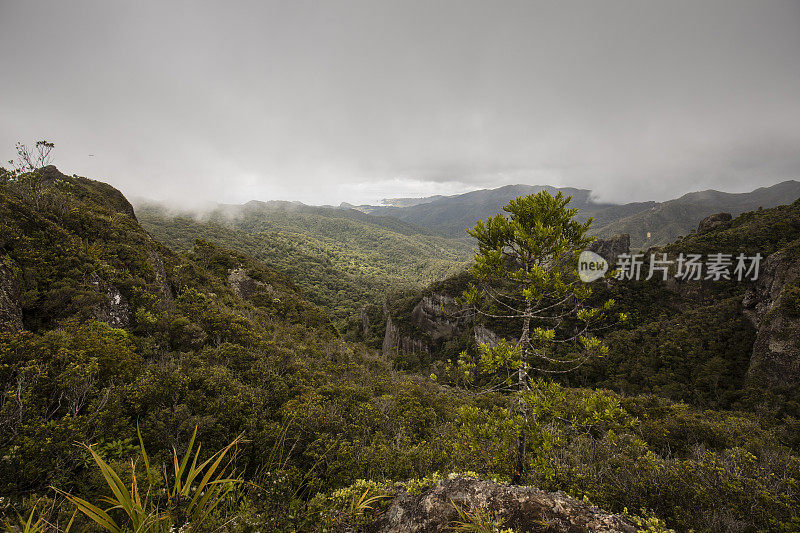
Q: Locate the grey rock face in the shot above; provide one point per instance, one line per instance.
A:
(10, 292)
(115, 311)
(484, 335)
(773, 306)
(524, 509)
(611, 247)
(394, 343)
(712, 222)
(438, 316)
(778, 270)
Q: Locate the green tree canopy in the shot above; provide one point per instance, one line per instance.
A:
(526, 273)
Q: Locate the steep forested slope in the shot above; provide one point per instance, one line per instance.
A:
(105, 329)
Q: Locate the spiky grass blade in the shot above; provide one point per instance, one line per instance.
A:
(197, 506)
(179, 470)
(364, 503)
(95, 514)
(477, 521)
(145, 458)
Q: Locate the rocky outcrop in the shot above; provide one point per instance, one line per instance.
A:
(10, 293)
(611, 247)
(394, 343)
(244, 286)
(773, 305)
(523, 509)
(157, 262)
(713, 222)
(115, 310)
(435, 318)
(484, 335)
(439, 316)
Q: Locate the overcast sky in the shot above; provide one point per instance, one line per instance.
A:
(330, 101)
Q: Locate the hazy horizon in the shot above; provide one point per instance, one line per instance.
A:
(356, 101)
(199, 208)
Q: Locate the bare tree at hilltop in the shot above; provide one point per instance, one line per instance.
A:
(26, 169)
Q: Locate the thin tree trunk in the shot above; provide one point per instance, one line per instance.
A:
(522, 386)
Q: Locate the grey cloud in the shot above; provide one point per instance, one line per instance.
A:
(320, 100)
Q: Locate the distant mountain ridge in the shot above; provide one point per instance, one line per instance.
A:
(409, 202)
(451, 215)
(649, 223)
(665, 222)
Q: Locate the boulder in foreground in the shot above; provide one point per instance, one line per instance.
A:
(523, 509)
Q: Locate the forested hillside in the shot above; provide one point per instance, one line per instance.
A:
(345, 260)
(108, 334)
(342, 259)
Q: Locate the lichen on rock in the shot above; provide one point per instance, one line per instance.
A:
(523, 509)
